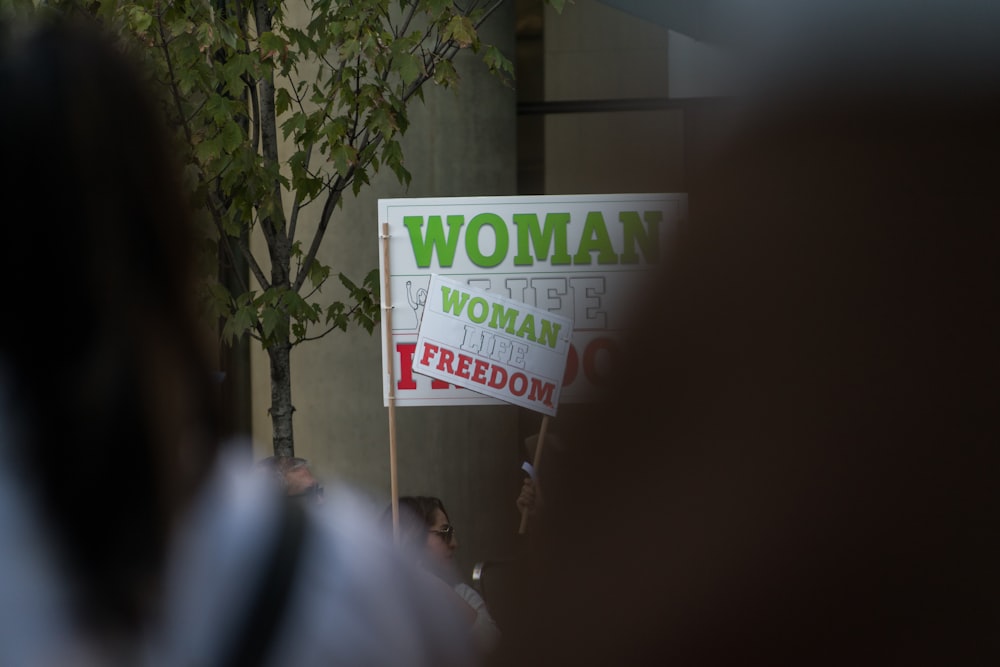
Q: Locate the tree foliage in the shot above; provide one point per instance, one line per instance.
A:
(284, 106)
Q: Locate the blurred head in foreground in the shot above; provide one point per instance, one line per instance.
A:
(110, 387)
(805, 419)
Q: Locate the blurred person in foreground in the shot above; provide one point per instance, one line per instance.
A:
(807, 410)
(130, 537)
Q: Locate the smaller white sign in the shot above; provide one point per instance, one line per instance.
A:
(496, 346)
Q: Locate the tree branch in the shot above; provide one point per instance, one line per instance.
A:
(357, 93)
(269, 149)
(340, 184)
(489, 11)
(335, 192)
(443, 51)
(213, 206)
(406, 21)
(315, 289)
(297, 204)
(332, 327)
(258, 273)
(174, 92)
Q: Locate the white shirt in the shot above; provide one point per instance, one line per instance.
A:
(485, 632)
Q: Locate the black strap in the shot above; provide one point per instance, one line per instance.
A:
(268, 604)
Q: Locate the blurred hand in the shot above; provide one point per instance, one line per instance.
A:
(529, 499)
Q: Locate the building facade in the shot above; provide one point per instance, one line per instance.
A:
(590, 114)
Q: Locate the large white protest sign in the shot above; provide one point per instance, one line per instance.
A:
(579, 257)
(495, 346)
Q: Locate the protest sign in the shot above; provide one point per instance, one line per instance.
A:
(579, 257)
(492, 345)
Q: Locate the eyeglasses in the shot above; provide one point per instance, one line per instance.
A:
(447, 533)
(312, 492)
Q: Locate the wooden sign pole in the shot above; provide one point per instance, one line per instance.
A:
(538, 457)
(391, 371)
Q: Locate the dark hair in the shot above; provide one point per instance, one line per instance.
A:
(112, 383)
(416, 515)
(424, 507)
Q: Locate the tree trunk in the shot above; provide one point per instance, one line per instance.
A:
(279, 247)
(281, 399)
(235, 358)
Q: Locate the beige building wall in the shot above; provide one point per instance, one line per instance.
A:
(595, 52)
(464, 143)
(460, 143)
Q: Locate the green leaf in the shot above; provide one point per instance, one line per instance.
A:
(351, 287)
(392, 155)
(139, 19)
(270, 319)
(232, 136)
(461, 30)
(228, 35)
(497, 61)
(335, 315)
(272, 47)
(282, 102)
(373, 283)
(227, 334)
(301, 41)
(435, 7)
(409, 66)
(343, 158)
(445, 74)
(360, 180)
(318, 273)
(209, 150)
(350, 50)
(243, 320)
(382, 120)
(335, 130)
(295, 123)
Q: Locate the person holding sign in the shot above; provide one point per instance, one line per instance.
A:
(530, 500)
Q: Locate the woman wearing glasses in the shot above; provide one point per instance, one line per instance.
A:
(426, 529)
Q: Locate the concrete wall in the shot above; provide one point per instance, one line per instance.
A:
(464, 143)
(595, 52)
(459, 143)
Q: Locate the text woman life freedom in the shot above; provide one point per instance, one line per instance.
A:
(492, 345)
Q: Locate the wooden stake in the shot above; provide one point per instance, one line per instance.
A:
(391, 372)
(538, 458)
